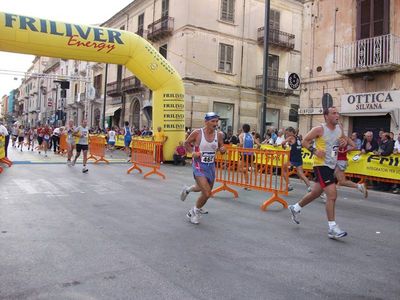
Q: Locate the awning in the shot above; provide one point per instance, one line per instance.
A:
(111, 110)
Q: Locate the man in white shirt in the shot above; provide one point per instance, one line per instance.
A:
(397, 144)
(4, 132)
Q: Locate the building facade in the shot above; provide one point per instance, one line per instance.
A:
(217, 47)
(351, 50)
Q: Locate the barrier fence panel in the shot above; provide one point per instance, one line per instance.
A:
(146, 154)
(63, 147)
(253, 169)
(97, 149)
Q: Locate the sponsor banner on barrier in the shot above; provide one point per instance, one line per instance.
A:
(365, 164)
(2, 147)
(374, 165)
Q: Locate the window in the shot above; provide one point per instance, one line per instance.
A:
(164, 8)
(274, 19)
(294, 113)
(225, 58)
(273, 65)
(228, 10)
(372, 18)
(140, 24)
(163, 50)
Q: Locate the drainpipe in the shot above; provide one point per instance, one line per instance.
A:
(241, 67)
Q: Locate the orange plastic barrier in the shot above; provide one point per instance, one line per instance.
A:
(146, 154)
(97, 149)
(253, 169)
(63, 147)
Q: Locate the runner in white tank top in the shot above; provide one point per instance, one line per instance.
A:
(203, 144)
(329, 138)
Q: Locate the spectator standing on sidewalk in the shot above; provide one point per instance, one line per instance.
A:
(159, 136)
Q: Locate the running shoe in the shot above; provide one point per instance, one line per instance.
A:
(69, 163)
(363, 190)
(323, 197)
(290, 187)
(73, 162)
(85, 170)
(294, 214)
(336, 233)
(185, 192)
(309, 189)
(203, 211)
(193, 216)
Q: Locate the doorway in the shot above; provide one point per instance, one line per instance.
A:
(371, 123)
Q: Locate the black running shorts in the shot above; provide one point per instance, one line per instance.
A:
(324, 175)
(80, 147)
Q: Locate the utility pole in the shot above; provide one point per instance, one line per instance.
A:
(105, 98)
(265, 69)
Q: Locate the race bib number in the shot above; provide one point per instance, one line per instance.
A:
(207, 157)
(46, 136)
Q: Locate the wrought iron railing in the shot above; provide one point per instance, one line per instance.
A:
(275, 85)
(277, 38)
(131, 83)
(160, 28)
(114, 88)
(372, 54)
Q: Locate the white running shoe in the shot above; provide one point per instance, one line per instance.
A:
(193, 216)
(309, 189)
(336, 233)
(69, 163)
(73, 162)
(85, 170)
(290, 187)
(294, 214)
(362, 189)
(185, 192)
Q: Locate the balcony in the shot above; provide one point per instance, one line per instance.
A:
(114, 89)
(277, 38)
(132, 85)
(377, 54)
(160, 29)
(276, 85)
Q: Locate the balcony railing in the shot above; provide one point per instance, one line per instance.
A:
(276, 85)
(131, 85)
(277, 38)
(160, 28)
(377, 54)
(114, 88)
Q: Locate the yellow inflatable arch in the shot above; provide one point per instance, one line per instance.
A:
(42, 37)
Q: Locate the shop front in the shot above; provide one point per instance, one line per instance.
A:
(373, 111)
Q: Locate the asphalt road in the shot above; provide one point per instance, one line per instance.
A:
(109, 235)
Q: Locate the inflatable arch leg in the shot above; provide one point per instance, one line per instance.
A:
(29, 35)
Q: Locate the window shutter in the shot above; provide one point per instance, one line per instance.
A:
(224, 9)
(221, 59)
(229, 58)
(231, 10)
